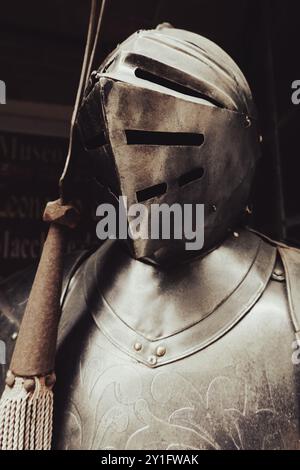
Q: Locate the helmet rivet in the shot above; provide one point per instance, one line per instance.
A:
(152, 360)
(94, 74)
(138, 347)
(161, 351)
(236, 235)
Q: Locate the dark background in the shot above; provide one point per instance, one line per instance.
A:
(41, 48)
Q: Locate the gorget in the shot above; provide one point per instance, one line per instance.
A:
(144, 310)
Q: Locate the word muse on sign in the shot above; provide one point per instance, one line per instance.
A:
(296, 92)
(32, 149)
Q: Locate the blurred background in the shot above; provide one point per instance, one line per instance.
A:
(41, 50)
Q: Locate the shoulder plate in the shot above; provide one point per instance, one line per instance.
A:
(291, 261)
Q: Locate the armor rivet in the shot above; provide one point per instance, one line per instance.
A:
(152, 360)
(249, 210)
(138, 347)
(236, 235)
(214, 208)
(14, 336)
(161, 351)
(278, 275)
(261, 139)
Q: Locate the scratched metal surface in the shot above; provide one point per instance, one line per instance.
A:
(239, 392)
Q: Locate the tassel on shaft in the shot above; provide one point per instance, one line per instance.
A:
(26, 406)
(26, 416)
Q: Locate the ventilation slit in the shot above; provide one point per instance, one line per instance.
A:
(164, 138)
(95, 142)
(151, 192)
(190, 177)
(184, 90)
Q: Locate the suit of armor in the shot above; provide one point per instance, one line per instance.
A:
(200, 358)
(159, 348)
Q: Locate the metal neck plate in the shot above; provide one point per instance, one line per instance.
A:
(158, 317)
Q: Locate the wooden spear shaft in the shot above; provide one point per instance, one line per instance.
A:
(34, 354)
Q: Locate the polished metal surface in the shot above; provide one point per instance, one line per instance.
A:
(221, 388)
(228, 383)
(166, 120)
(237, 394)
(182, 310)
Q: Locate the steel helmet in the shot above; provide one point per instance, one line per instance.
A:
(169, 118)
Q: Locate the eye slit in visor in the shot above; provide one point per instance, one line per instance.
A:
(151, 192)
(190, 177)
(184, 90)
(95, 142)
(176, 139)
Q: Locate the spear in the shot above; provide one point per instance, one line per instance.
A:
(26, 406)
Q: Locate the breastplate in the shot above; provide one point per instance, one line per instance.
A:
(225, 381)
